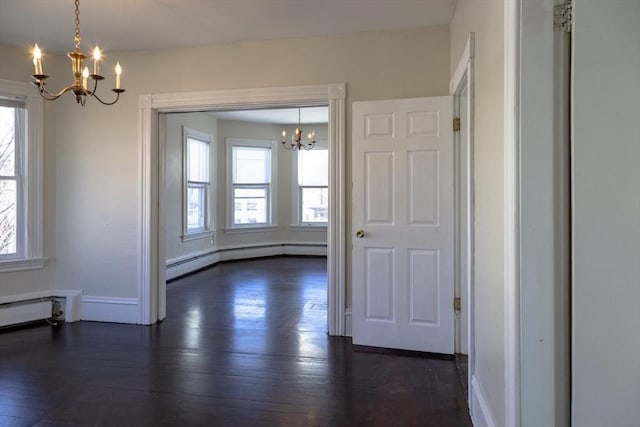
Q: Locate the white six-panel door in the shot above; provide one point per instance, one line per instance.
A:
(402, 221)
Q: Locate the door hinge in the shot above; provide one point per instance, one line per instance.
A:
(456, 124)
(457, 304)
(563, 16)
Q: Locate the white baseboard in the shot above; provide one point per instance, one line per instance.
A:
(348, 322)
(72, 298)
(177, 268)
(304, 249)
(186, 264)
(480, 413)
(105, 309)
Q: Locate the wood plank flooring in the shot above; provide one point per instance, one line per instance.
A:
(243, 344)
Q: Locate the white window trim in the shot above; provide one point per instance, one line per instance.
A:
(272, 211)
(209, 230)
(31, 257)
(296, 206)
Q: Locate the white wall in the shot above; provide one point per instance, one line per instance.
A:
(606, 213)
(16, 65)
(486, 19)
(176, 249)
(98, 215)
(544, 233)
(238, 129)
(201, 122)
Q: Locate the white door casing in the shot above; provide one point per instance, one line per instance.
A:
(151, 286)
(402, 165)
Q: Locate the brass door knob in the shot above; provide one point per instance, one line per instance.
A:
(360, 234)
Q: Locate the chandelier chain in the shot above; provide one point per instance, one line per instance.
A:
(76, 38)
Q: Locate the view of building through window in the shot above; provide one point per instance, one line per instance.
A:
(251, 173)
(8, 181)
(313, 181)
(198, 183)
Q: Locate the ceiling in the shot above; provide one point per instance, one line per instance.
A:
(280, 116)
(154, 24)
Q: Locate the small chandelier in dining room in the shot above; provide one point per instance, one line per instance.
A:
(81, 74)
(297, 142)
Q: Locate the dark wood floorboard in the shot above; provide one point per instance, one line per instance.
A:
(243, 344)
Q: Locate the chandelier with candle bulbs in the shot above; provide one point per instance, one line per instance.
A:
(80, 86)
(297, 142)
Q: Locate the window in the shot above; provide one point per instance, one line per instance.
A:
(251, 167)
(311, 191)
(11, 177)
(197, 221)
(20, 177)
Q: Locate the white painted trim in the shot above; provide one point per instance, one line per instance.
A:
(252, 229)
(271, 187)
(511, 213)
(10, 266)
(180, 266)
(30, 257)
(207, 234)
(72, 306)
(148, 225)
(151, 271)
(463, 65)
(211, 193)
(312, 249)
(479, 408)
(464, 78)
(295, 227)
(348, 320)
(106, 309)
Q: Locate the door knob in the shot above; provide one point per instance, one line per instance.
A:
(360, 234)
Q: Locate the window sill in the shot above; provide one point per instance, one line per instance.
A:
(251, 229)
(308, 227)
(9, 266)
(199, 235)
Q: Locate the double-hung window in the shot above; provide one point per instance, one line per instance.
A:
(251, 167)
(20, 177)
(198, 198)
(311, 194)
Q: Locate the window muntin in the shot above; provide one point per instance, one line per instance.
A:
(313, 186)
(251, 171)
(198, 160)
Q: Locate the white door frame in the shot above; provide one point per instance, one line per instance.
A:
(463, 79)
(151, 270)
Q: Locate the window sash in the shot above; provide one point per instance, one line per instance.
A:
(241, 176)
(13, 221)
(317, 215)
(237, 214)
(316, 160)
(266, 152)
(197, 176)
(199, 217)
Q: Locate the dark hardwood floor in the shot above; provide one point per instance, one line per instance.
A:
(243, 344)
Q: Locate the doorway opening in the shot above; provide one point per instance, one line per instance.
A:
(233, 191)
(152, 203)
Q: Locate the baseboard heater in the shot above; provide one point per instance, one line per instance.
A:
(25, 311)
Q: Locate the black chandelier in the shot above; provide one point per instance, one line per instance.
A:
(297, 142)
